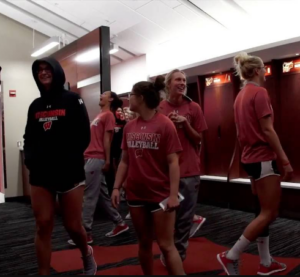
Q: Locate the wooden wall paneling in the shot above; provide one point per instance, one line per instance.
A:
(105, 59)
(66, 57)
(290, 119)
(70, 69)
(91, 97)
(87, 43)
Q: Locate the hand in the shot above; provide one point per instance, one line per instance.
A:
(115, 198)
(173, 204)
(106, 167)
(176, 118)
(180, 119)
(172, 115)
(288, 172)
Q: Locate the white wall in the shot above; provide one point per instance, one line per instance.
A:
(2, 200)
(15, 59)
(124, 75)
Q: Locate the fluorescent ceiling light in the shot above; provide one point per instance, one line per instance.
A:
(46, 46)
(89, 56)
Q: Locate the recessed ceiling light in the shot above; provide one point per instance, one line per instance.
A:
(214, 72)
(297, 54)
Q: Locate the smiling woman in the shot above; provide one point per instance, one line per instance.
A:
(190, 123)
(56, 136)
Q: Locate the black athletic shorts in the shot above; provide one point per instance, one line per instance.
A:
(59, 189)
(151, 207)
(258, 171)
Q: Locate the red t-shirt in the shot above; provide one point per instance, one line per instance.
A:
(189, 158)
(252, 104)
(104, 122)
(148, 144)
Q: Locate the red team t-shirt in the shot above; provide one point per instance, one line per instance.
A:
(189, 158)
(252, 104)
(148, 144)
(102, 123)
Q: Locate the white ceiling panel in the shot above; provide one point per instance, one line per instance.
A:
(51, 6)
(83, 10)
(228, 14)
(192, 16)
(171, 3)
(134, 43)
(165, 17)
(31, 22)
(135, 4)
(44, 14)
(151, 32)
(120, 17)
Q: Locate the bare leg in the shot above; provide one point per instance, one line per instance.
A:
(142, 222)
(43, 204)
(71, 206)
(164, 224)
(269, 194)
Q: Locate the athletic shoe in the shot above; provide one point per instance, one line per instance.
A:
(231, 267)
(89, 263)
(118, 230)
(89, 240)
(274, 267)
(128, 217)
(197, 224)
(162, 260)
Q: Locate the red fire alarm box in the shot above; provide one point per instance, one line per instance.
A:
(12, 93)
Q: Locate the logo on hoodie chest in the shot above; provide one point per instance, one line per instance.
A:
(52, 115)
(49, 116)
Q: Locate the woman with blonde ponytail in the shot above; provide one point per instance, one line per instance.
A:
(260, 147)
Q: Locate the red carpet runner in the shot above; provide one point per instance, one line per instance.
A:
(201, 258)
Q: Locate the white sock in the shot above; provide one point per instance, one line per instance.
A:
(264, 251)
(240, 246)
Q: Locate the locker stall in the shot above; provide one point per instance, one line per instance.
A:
(218, 93)
(290, 112)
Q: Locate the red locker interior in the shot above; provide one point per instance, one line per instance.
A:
(219, 139)
(290, 119)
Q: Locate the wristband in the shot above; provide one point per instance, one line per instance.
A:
(286, 164)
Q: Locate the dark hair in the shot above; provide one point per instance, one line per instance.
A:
(116, 103)
(150, 92)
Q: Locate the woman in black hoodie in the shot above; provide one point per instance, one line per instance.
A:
(56, 136)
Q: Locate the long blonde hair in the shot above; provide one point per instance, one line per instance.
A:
(245, 65)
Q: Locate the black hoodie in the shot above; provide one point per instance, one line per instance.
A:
(57, 133)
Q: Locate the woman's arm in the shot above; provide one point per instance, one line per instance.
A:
(120, 178)
(266, 124)
(174, 173)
